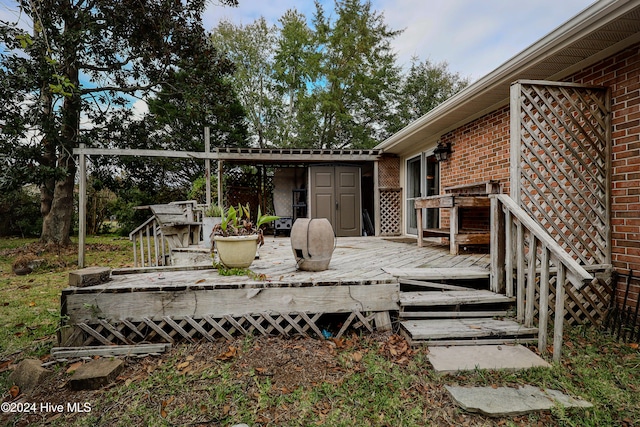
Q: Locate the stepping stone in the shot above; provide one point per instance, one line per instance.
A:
(507, 401)
(96, 374)
(29, 374)
(466, 358)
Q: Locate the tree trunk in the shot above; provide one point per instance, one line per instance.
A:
(56, 224)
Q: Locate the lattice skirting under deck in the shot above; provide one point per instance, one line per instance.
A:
(170, 330)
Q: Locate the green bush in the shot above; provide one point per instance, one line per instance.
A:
(20, 212)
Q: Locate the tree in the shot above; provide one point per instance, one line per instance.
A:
(251, 48)
(296, 62)
(84, 63)
(423, 88)
(358, 77)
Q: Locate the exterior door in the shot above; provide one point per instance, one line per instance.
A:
(414, 191)
(423, 179)
(335, 195)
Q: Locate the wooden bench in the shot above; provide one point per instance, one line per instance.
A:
(474, 196)
(177, 224)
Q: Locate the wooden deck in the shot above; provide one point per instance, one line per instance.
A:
(164, 304)
(355, 260)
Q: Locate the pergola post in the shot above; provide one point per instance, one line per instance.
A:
(82, 207)
(207, 164)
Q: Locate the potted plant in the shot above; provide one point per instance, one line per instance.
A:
(212, 216)
(237, 237)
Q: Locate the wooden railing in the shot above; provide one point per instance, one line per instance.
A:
(148, 245)
(525, 257)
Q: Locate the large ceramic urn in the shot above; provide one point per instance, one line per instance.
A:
(312, 242)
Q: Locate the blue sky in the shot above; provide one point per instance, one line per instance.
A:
(473, 36)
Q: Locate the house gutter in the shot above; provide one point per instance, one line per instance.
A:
(600, 13)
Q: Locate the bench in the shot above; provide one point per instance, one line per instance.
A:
(177, 224)
(473, 196)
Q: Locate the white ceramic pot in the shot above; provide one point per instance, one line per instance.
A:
(236, 251)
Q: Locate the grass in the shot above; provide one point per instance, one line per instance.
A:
(361, 381)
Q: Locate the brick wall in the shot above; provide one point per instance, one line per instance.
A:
(621, 73)
(481, 152)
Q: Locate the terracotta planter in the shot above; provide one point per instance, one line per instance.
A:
(236, 251)
(312, 242)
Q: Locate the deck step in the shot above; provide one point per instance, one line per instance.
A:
(466, 331)
(465, 273)
(454, 298)
(426, 285)
(440, 314)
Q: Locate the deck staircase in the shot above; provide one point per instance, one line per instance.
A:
(442, 306)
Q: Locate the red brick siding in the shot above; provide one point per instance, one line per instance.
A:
(621, 73)
(481, 152)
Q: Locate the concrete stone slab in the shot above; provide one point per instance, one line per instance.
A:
(507, 401)
(465, 358)
(28, 375)
(96, 374)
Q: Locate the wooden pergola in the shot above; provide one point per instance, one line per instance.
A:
(220, 155)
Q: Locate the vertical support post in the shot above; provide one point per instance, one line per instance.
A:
(207, 163)
(520, 280)
(419, 224)
(558, 323)
(497, 247)
(531, 280)
(543, 309)
(376, 198)
(508, 261)
(220, 175)
(454, 227)
(82, 206)
(514, 167)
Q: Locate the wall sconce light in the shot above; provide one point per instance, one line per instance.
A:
(442, 151)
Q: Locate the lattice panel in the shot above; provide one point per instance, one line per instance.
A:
(587, 305)
(390, 212)
(563, 150)
(250, 186)
(389, 172)
(170, 330)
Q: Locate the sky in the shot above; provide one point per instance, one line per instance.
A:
(473, 36)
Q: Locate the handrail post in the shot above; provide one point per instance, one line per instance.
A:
(497, 247)
(543, 310)
(558, 322)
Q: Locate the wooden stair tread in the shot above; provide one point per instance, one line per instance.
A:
(434, 329)
(432, 285)
(451, 314)
(426, 298)
(444, 273)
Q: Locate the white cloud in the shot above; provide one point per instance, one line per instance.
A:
(139, 109)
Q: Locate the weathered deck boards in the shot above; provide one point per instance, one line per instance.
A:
(168, 304)
(361, 260)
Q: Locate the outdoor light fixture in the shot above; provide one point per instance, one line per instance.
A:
(442, 151)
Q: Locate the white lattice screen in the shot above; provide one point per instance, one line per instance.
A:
(561, 163)
(390, 212)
